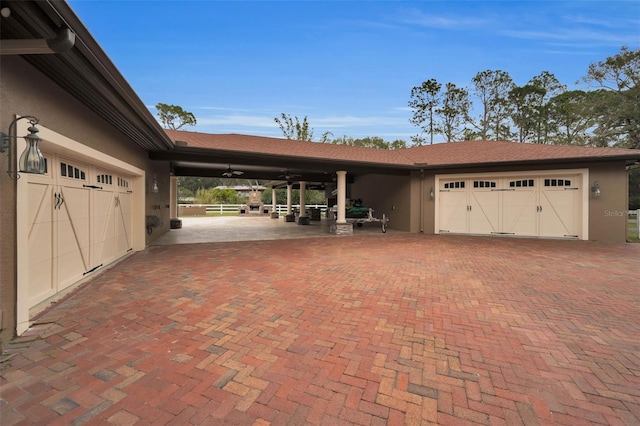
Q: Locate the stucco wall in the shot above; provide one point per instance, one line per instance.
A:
(608, 214)
(386, 194)
(24, 91)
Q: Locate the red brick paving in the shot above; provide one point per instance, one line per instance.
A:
(364, 330)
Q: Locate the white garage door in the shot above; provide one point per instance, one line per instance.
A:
(544, 204)
(80, 219)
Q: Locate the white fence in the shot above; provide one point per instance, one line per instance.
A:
(635, 213)
(220, 209)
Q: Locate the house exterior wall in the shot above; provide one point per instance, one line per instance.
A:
(24, 91)
(608, 214)
(385, 194)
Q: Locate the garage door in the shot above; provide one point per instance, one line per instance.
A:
(80, 219)
(540, 205)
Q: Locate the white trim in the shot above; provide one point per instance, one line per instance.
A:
(56, 143)
(586, 187)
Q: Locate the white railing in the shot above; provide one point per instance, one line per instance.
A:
(635, 213)
(220, 209)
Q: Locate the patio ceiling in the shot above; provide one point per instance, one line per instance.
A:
(212, 163)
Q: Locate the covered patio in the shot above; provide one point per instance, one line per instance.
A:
(246, 228)
(373, 329)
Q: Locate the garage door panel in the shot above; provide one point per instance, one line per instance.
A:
(123, 218)
(73, 235)
(103, 247)
(484, 212)
(519, 210)
(547, 204)
(453, 211)
(558, 216)
(40, 243)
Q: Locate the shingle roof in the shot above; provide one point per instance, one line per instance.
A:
(442, 154)
(287, 147)
(485, 152)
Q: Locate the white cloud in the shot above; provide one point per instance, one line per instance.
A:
(238, 120)
(573, 36)
(420, 18)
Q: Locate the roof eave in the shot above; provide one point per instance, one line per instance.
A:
(87, 73)
(630, 159)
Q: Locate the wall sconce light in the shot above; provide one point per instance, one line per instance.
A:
(31, 160)
(431, 193)
(154, 185)
(596, 189)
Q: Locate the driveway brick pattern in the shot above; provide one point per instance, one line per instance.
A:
(378, 329)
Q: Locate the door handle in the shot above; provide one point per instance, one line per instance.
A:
(59, 200)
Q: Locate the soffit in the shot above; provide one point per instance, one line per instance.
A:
(85, 71)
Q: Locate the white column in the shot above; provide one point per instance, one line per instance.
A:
(342, 196)
(289, 189)
(303, 204)
(273, 199)
(173, 197)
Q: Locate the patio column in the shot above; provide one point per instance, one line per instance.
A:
(303, 219)
(341, 226)
(290, 217)
(274, 205)
(173, 197)
(342, 195)
(174, 222)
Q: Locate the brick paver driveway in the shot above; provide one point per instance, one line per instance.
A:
(377, 329)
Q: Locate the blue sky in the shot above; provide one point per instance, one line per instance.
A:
(348, 66)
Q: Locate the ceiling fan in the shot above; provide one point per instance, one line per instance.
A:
(229, 173)
(288, 176)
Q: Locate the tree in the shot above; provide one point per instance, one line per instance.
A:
(370, 142)
(523, 113)
(493, 88)
(424, 100)
(292, 128)
(571, 115)
(546, 86)
(174, 117)
(618, 108)
(454, 112)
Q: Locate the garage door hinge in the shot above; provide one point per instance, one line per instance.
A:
(504, 233)
(92, 269)
(572, 236)
(571, 189)
(92, 186)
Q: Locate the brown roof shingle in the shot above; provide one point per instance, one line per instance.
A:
(294, 148)
(485, 152)
(442, 154)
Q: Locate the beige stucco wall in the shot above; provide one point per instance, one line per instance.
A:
(24, 91)
(608, 214)
(386, 194)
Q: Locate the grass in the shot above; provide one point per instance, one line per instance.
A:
(632, 236)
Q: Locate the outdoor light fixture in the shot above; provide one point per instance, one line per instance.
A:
(154, 185)
(431, 193)
(31, 160)
(596, 189)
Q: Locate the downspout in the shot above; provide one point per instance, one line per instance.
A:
(422, 201)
